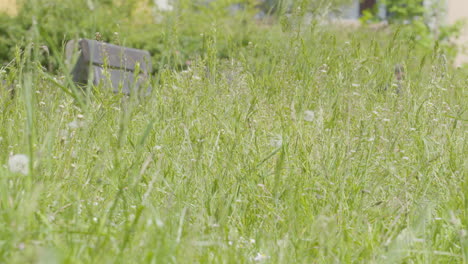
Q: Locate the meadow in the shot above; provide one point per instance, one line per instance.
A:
(261, 142)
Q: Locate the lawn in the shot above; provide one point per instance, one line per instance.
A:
(261, 142)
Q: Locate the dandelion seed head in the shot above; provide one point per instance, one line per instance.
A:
(19, 163)
(309, 115)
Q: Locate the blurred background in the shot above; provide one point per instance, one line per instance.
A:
(172, 30)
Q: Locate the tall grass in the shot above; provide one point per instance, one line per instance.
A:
(290, 148)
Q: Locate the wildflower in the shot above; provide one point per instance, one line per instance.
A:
(276, 142)
(309, 115)
(355, 85)
(405, 158)
(76, 124)
(21, 246)
(19, 163)
(260, 257)
(462, 233)
(159, 223)
(386, 120)
(157, 147)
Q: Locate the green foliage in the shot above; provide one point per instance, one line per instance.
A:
(404, 10)
(175, 39)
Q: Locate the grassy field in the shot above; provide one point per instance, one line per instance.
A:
(293, 148)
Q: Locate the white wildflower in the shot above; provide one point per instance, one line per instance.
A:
(276, 142)
(463, 233)
(355, 85)
(75, 124)
(260, 257)
(19, 163)
(21, 246)
(157, 147)
(386, 120)
(309, 115)
(405, 158)
(163, 5)
(159, 223)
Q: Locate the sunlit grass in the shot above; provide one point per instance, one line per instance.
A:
(295, 149)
